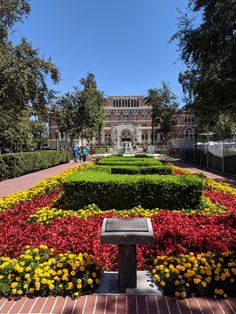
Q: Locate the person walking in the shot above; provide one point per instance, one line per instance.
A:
(75, 152)
(84, 153)
(79, 154)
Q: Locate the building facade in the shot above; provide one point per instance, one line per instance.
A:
(128, 120)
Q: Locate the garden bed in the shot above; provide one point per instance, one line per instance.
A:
(44, 246)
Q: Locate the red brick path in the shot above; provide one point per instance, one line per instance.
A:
(119, 304)
(29, 180)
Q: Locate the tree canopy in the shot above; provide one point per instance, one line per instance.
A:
(23, 75)
(81, 113)
(207, 45)
(164, 104)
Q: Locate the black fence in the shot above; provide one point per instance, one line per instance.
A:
(220, 156)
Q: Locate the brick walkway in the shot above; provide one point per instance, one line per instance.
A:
(213, 175)
(29, 180)
(118, 304)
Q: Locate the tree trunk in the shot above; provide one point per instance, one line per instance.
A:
(153, 118)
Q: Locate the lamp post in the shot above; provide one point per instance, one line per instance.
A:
(57, 136)
(116, 142)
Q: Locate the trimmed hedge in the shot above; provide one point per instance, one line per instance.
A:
(124, 191)
(18, 164)
(129, 161)
(161, 170)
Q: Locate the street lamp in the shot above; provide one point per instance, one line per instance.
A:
(57, 137)
(116, 142)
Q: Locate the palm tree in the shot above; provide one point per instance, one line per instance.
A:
(153, 99)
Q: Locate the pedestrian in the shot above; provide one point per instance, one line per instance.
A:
(84, 153)
(79, 154)
(75, 152)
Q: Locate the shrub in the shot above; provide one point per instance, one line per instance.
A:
(125, 191)
(18, 164)
(162, 170)
(129, 161)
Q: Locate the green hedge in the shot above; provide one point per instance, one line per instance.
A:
(161, 170)
(18, 164)
(129, 161)
(124, 191)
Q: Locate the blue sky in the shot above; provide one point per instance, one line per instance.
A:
(123, 42)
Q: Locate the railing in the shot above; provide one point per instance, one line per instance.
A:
(220, 155)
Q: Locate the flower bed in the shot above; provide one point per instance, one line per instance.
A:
(38, 270)
(196, 274)
(33, 220)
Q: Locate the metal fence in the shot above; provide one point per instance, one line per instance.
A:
(220, 155)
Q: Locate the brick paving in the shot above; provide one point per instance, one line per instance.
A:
(119, 304)
(29, 180)
(218, 176)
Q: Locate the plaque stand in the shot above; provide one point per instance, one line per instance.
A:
(127, 276)
(126, 233)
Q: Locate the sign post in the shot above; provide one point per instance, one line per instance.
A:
(127, 232)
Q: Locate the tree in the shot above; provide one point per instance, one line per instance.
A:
(23, 73)
(39, 132)
(11, 11)
(81, 113)
(15, 129)
(164, 104)
(207, 45)
(94, 103)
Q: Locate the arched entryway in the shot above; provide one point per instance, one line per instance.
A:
(127, 136)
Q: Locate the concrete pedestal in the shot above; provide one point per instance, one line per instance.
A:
(127, 276)
(127, 232)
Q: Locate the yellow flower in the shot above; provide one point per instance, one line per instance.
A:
(79, 286)
(162, 283)
(98, 281)
(14, 284)
(183, 294)
(177, 294)
(90, 281)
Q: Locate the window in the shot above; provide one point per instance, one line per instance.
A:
(189, 134)
(126, 115)
(126, 104)
(144, 137)
(188, 120)
(107, 137)
(137, 102)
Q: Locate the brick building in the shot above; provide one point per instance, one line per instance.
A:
(128, 119)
